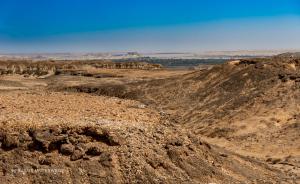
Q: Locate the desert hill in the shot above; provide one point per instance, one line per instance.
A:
(248, 106)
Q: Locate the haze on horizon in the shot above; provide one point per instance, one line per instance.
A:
(148, 26)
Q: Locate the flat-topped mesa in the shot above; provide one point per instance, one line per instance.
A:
(40, 68)
(127, 65)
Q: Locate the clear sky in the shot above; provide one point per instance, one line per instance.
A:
(148, 25)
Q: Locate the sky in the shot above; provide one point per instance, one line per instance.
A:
(148, 25)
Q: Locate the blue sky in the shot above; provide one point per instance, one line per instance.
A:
(148, 25)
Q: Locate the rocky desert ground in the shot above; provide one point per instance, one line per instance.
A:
(106, 122)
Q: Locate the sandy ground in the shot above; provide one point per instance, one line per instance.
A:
(39, 108)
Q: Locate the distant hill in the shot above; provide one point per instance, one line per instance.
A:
(290, 55)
